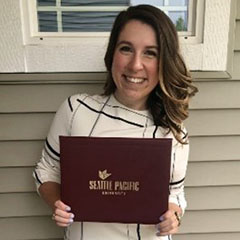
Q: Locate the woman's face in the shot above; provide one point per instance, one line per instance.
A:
(135, 64)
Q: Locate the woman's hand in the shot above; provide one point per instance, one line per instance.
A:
(62, 214)
(170, 221)
(50, 192)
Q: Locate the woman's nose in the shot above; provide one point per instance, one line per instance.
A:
(135, 63)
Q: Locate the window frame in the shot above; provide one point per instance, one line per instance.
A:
(196, 50)
(33, 36)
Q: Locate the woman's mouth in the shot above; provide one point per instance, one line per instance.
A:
(134, 79)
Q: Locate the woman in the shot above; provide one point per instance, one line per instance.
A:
(146, 95)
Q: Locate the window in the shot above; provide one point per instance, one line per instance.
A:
(203, 25)
(80, 18)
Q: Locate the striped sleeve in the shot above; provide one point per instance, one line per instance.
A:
(48, 167)
(178, 173)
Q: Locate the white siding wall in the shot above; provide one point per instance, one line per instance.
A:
(27, 105)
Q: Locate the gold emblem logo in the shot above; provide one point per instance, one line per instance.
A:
(103, 174)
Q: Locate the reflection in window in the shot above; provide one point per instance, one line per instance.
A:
(47, 21)
(46, 2)
(177, 2)
(85, 22)
(151, 2)
(179, 19)
(94, 3)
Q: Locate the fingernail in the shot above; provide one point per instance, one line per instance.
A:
(70, 220)
(68, 209)
(161, 218)
(72, 216)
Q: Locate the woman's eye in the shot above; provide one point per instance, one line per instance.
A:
(125, 49)
(151, 53)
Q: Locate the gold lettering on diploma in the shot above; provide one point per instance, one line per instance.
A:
(126, 186)
(100, 185)
(108, 187)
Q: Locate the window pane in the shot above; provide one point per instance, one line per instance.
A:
(47, 21)
(94, 3)
(179, 19)
(151, 2)
(178, 2)
(46, 2)
(88, 21)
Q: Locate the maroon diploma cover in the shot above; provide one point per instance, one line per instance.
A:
(123, 180)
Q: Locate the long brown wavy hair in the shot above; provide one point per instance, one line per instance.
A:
(169, 101)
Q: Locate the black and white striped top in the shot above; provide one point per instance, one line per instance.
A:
(104, 116)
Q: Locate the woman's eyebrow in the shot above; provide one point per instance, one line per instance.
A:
(124, 42)
(129, 43)
(155, 47)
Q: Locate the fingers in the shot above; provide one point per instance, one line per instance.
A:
(59, 204)
(169, 224)
(62, 215)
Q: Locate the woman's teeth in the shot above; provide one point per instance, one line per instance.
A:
(135, 80)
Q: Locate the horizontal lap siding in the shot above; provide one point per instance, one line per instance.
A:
(23, 204)
(213, 173)
(34, 126)
(214, 135)
(237, 37)
(20, 153)
(44, 228)
(212, 198)
(40, 98)
(224, 173)
(236, 68)
(47, 98)
(216, 95)
(209, 236)
(29, 228)
(214, 122)
(17, 179)
(212, 183)
(211, 221)
(216, 148)
(208, 221)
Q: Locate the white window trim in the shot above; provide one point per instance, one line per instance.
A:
(207, 51)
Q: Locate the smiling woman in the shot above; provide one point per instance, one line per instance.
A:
(146, 95)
